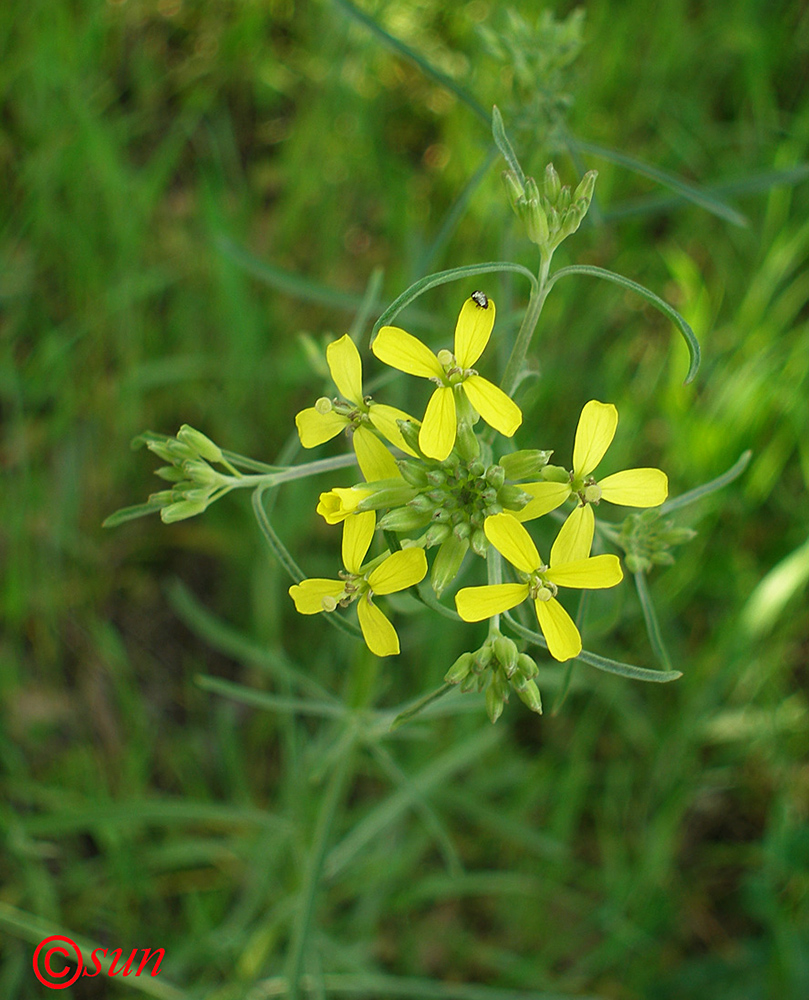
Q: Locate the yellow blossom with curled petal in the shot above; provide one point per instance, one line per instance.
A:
(387, 574)
(630, 488)
(570, 566)
(452, 372)
(323, 421)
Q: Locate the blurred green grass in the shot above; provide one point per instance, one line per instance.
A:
(641, 843)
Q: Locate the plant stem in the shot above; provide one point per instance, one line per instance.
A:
(516, 363)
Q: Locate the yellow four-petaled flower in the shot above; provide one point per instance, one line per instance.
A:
(630, 488)
(360, 583)
(320, 423)
(570, 566)
(453, 372)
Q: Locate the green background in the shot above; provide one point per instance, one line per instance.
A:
(195, 198)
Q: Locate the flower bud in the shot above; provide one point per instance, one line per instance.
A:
(526, 666)
(202, 474)
(435, 534)
(202, 445)
(555, 474)
(170, 473)
(479, 542)
(435, 477)
(423, 504)
(495, 476)
(584, 192)
(459, 669)
(404, 519)
(179, 452)
(525, 464)
(505, 651)
(162, 450)
(448, 562)
(482, 658)
(466, 442)
(476, 469)
(512, 497)
(412, 472)
(494, 703)
(552, 185)
(462, 530)
(386, 493)
(514, 189)
(410, 432)
(181, 510)
(529, 695)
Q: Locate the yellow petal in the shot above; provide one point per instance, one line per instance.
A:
(336, 505)
(399, 571)
(358, 531)
(636, 487)
(575, 537)
(308, 594)
(384, 418)
(380, 636)
(595, 573)
(375, 461)
(403, 351)
(345, 366)
(496, 408)
(472, 331)
(476, 603)
(559, 629)
(438, 429)
(511, 540)
(594, 434)
(316, 428)
(547, 497)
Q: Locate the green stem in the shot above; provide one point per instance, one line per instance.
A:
(494, 575)
(291, 472)
(516, 363)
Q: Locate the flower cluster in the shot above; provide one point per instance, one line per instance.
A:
(434, 483)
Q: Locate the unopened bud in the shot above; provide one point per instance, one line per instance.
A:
(386, 493)
(466, 442)
(170, 473)
(462, 530)
(526, 666)
(181, 510)
(459, 670)
(555, 474)
(201, 444)
(413, 472)
(404, 519)
(495, 476)
(436, 534)
(525, 464)
(423, 504)
(505, 651)
(552, 184)
(512, 497)
(494, 704)
(529, 695)
(514, 189)
(410, 432)
(448, 562)
(584, 192)
(479, 543)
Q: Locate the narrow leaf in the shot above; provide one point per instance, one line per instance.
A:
(130, 513)
(652, 624)
(269, 701)
(710, 487)
(504, 145)
(442, 278)
(599, 272)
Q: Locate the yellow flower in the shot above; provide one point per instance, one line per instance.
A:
(384, 575)
(569, 567)
(325, 420)
(630, 488)
(452, 372)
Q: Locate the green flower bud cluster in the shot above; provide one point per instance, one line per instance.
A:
(196, 484)
(553, 214)
(498, 668)
(647, 539)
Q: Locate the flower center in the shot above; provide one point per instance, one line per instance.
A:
(453, 373)
(539, 588)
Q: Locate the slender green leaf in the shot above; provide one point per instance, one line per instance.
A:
(284, 557)
(130, 514)
(699, 196)
(601, 662)
(504, 145)
(652, 624)
(599, 272)
(441, 278)
(677, 503)
(418, 706)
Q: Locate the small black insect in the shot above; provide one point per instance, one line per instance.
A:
(480, 299)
